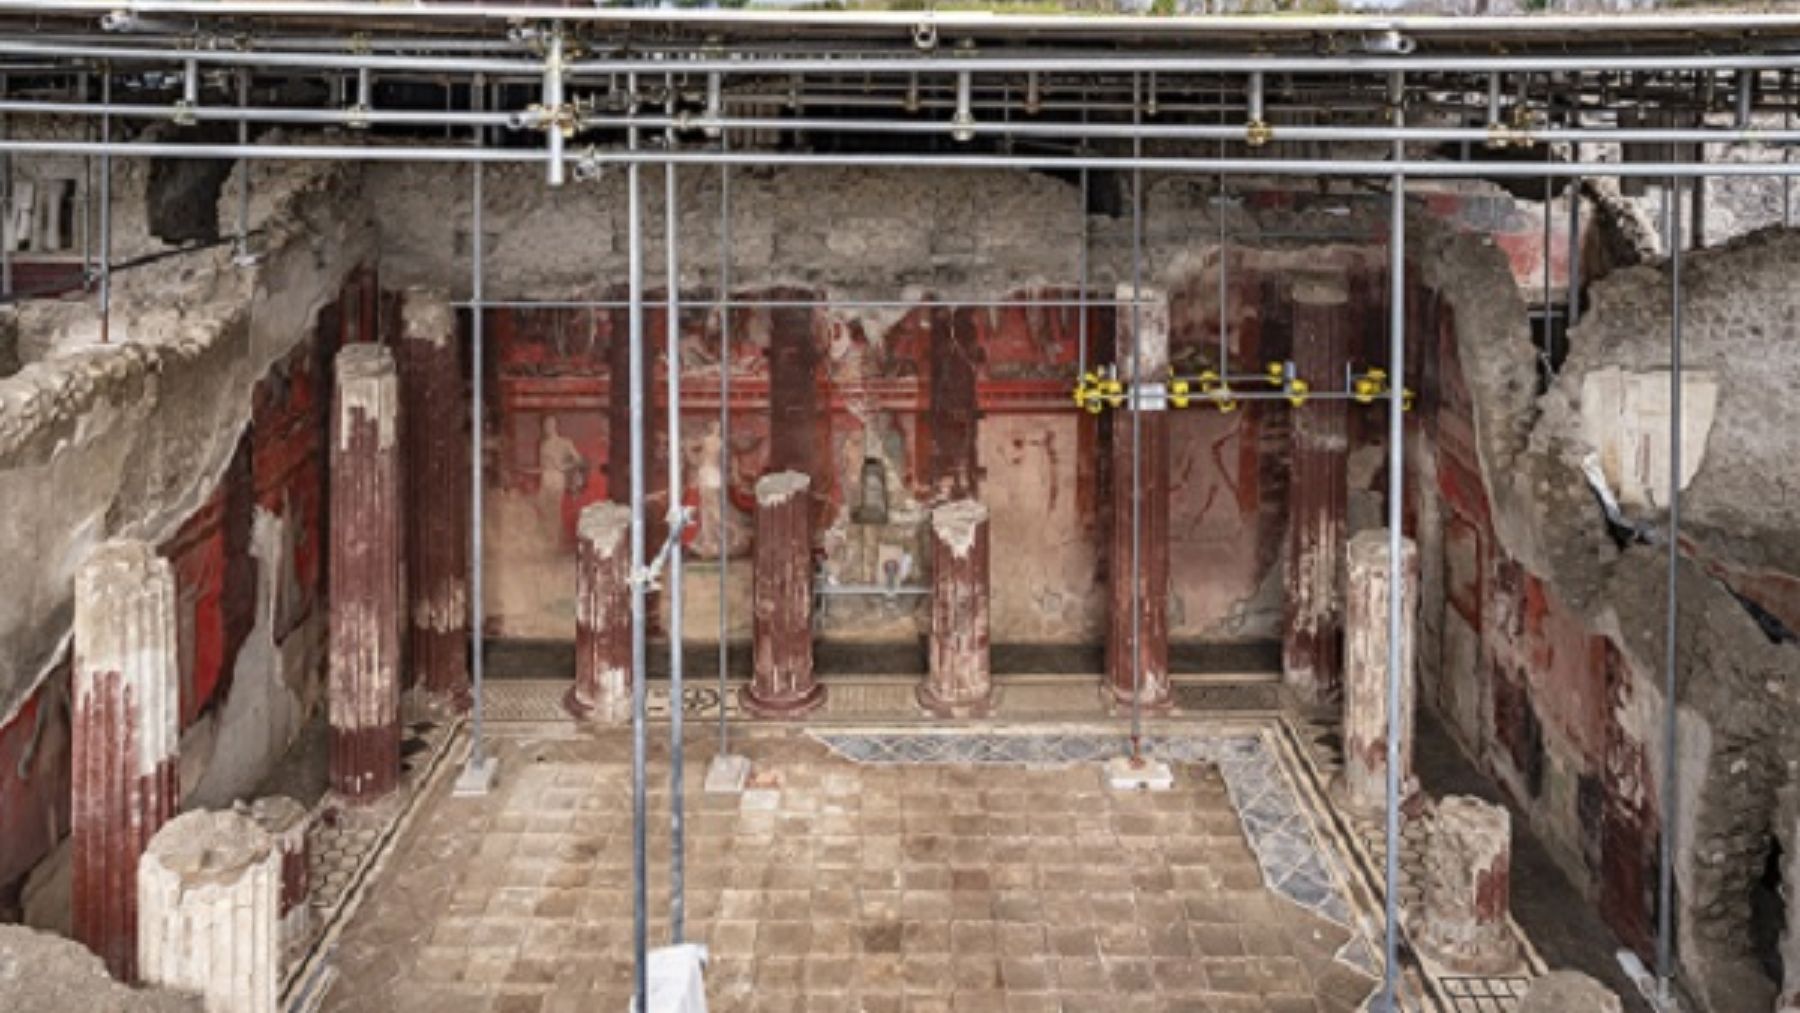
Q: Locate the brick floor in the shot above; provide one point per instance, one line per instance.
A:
(838, 886)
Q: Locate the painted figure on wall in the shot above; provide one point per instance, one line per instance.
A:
(562, 478)
(709, 535)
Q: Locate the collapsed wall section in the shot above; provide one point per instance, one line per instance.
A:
(1543, 631)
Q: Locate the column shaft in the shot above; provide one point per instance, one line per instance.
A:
(1468, 887)
(364, 690)
(1148, 626)
(209, 890)
(782, 684)
(602, 688)
(1366, 671)
(127, 711)
(1318, 496)
(959, 683)
(435, 428)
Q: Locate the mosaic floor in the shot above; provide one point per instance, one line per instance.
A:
(881, 862)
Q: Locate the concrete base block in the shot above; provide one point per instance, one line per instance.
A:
(477, 778)
(1122, 773)
(726, 774)
(676, 979)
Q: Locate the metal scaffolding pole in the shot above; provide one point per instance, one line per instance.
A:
(1345, 168)
(241, 251)
(6, 201)
(1137, 427)
(478, 773)
(1665, 871)
(640, 899)
(724, 442)
(1396, 487)
(105, 208)
(677, 526)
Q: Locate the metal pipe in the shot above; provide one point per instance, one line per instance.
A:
(1256, 96)
(1553, 27)
(105, 208)
(1137, 435)
(627, 156)
(477, 505)
(1081, 323)
(1396, 468)
(962, 126)
(677, 525)
(242, 252)
(1671, 798)
(1167, 62)
(725, 355)
(553, 110)
(527, 118)
(6, 197)
(640, 670)
(325, 117)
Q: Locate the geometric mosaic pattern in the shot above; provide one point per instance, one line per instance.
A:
(1293, 864)
(345, 848)
(865, 700)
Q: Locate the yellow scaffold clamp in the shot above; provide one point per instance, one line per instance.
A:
(1369, 387)
(1216, 390)
(1178, 390)
(1097, 391)
(1296, 389)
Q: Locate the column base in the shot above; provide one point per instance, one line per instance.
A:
(603, 713)
(1118, 699)
(1497, 953)
(1412, 800)
(938, 706)
(781, 706)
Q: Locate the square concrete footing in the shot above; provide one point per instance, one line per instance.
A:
(677, 979)
(477, 777)
(727, 774)
(1124, 773)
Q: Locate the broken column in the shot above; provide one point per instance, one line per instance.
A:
(1148, 627)
(959, 683)
(1468, 888)
(285, 821)
(435, 427)
(1318, 494)
(364, 690)
(602, 689)
(782, 683)
(209, 890)
(1366, 671)
(127, 711)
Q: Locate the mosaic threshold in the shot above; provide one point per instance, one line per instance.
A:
(889, 699)
(346, 848)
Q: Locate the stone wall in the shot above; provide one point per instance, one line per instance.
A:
(1549, 640)
(148, 436)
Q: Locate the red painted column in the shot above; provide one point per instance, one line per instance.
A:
(126, 726)
(1467, 896)
(782, 684)
(960, 683)
(602, 689)
(1318, 495)
(364, 677)
(1366, 676)
(1150, 623)
(435, 428)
